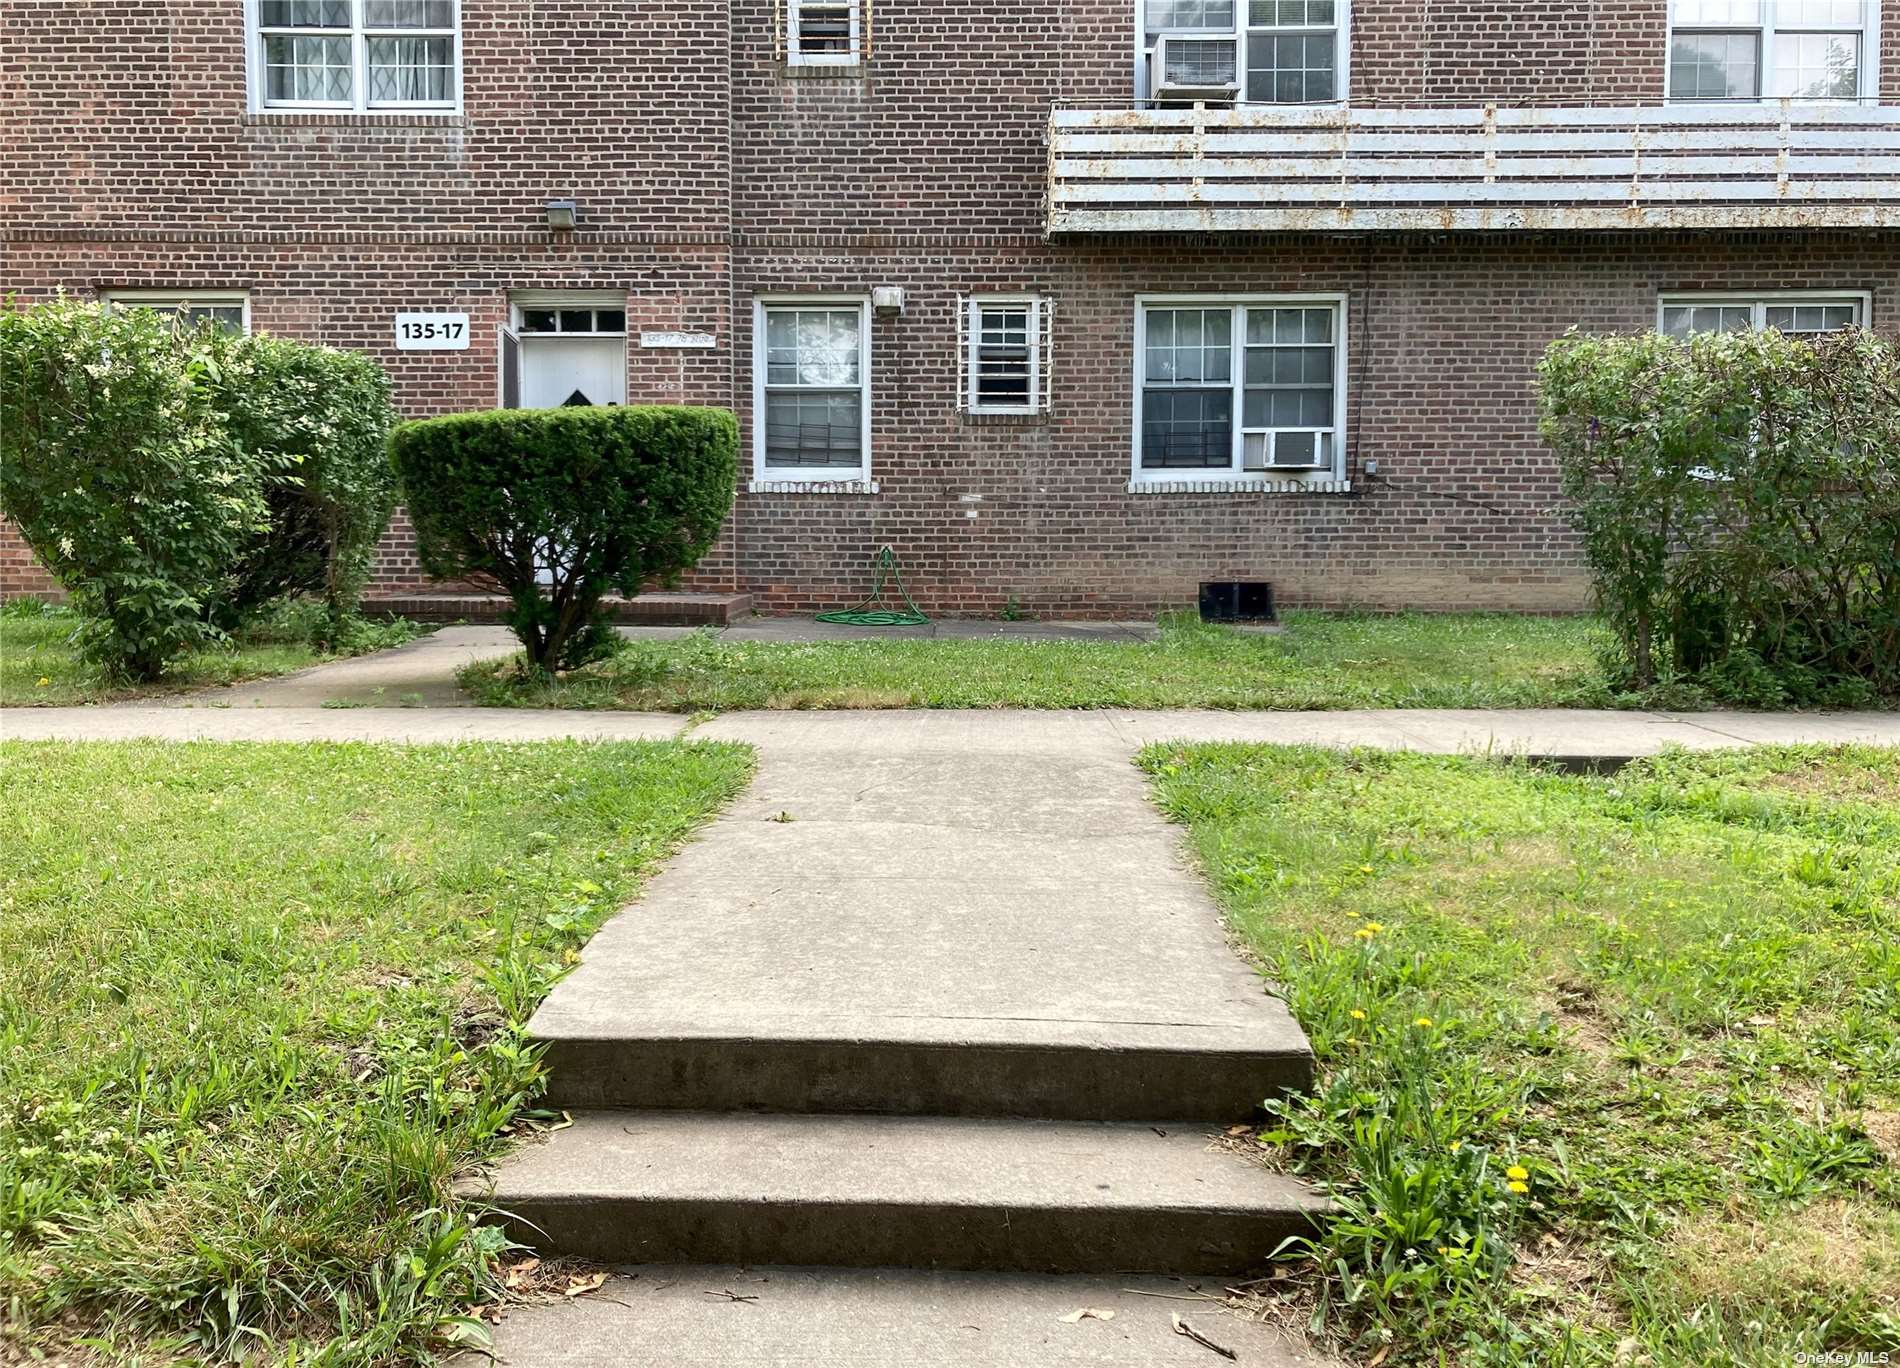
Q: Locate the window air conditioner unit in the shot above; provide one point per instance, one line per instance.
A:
(1288, 451)
(1196, 68)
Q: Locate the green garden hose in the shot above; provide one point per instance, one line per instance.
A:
(866, 613)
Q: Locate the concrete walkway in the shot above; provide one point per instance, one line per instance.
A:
(1557, 733)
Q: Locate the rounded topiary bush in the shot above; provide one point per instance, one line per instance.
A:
(562, 506)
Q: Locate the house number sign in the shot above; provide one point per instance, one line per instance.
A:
(431, 332)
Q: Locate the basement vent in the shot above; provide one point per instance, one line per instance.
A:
(1237, 601)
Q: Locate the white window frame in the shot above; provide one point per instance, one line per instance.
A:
(257, 78)
(1759, 301)
(179, 300)
(1234, 474)
(859, 474)
(794, 18)
(1765, 33)
(970, 316)
(1342, 51)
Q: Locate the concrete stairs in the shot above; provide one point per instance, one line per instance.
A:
(1014, 1051)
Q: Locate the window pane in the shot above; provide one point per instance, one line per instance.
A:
(1717, 13)
(1290, 68)
(411, 70)
(1190, 14)
(1817, 66)
(824, 26)
(307, 70)
(1821, 14)
(610, 320)
(1292, 13)
(815, 348)
(1187, 429)
(813, 430)
(304, 14)
(409, 14)
(1003, 358)
(577, 320)
(1715, 66)
(537, 320)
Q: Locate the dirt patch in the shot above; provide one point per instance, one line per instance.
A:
(1831, 1251)
(1883, 1128)
(1574, 1005)
(1837, 780)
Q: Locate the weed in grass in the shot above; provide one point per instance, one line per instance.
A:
(261, 1005)
(1662, 1011)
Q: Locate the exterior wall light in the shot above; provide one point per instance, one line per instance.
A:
(563, 214)
(888, 300)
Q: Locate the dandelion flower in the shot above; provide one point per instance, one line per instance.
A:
(1364, 933)
(1457, 1145)
(1517, 1187)
(1423, 1021)
(1517, 1172)
(1357, 1015)
(45, 682)
(1375, 926)
(1365, 869)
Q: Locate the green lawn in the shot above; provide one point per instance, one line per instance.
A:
(40, 668)
(259, 1005)
(1471, 661)
(1665, 1004)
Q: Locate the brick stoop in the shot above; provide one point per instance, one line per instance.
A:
(647, 610)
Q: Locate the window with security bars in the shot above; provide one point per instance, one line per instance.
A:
(1248, 388)
(813, 390)
(231, 312)
(1798, 315)
(362, 55)
(1751, 49)
(1277, 51)
(1006, 354)
(822, 32)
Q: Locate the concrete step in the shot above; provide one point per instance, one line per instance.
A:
(658, 609)
(1053, 1070)
(722, 1317)
(920, 1192)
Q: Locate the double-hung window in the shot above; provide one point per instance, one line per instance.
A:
(1006, 354)
(1751, 49)
(366, 56)
(1273, 51)
(812, 390)
(823, 32)
(1800, 315)
(231, 310)
(1242, 388)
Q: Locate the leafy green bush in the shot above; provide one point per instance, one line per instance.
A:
(1738, 496)
(560, 506)
(117, 467)
(320, 419)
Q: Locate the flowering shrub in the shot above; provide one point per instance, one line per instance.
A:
(1738, 496)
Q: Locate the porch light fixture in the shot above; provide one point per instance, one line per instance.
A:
(563, 214)
(887, 301)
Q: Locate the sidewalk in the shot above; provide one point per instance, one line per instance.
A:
(1580, 736)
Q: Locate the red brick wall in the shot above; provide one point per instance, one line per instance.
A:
(706, 174)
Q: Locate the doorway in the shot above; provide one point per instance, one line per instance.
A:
(564, 348)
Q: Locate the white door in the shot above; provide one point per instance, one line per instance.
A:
(565, 349)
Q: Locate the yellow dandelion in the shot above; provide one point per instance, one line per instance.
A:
(45, 682)
(1518, 1172)
(1423, 1021)
(1364, 933)
(1365, 869)
(1518, 1187)
(1457, 1145)
(1375, 926)
(1356, 1014)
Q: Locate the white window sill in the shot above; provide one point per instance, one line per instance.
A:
(847, 70)
(1219, 484)
(795, 485)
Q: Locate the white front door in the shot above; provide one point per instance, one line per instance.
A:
(570, 349)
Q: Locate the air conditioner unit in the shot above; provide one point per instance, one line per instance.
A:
(1195, 68)
(1287, 450)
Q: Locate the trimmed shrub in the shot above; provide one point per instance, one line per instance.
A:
(562, 506)
(319, 418)
(117, 468)
(1738, 496)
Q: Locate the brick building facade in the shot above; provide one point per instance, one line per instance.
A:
(727, 159)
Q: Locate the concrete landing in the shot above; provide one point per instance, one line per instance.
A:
(922, 931)
(687, 1317)
(919, 1192)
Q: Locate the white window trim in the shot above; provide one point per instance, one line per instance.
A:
(859, 475)
(1342, 52)
(1331, 480)
(256, 78)
(849, 58)
(1771, 13)
(1759, 301)
(180, 298)
(520, 301)
(972, 321)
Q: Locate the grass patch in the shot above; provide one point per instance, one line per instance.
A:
(1608, 1065)
(1320, 661)
(39, 666)
(260, 1004)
